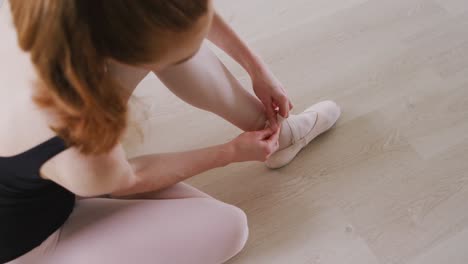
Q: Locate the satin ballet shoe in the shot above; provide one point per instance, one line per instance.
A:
(304, 127)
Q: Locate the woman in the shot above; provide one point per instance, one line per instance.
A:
(67, 192)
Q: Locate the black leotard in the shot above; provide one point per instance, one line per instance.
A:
(31, 208)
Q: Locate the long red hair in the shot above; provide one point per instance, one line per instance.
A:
(70, 41)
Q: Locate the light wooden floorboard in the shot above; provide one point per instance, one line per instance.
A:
(389, 183)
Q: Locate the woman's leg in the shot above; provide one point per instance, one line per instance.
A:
(206, 83)
(100, 230)
(179, 190)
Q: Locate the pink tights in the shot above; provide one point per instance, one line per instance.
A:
(177, 225)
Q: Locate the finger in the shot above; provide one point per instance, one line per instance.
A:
(273, 143)
(273, 123)
(275, 107)
(286, 94)
(284, 106)
(265, 133)
(267, 105)
(282, 89)
(271, 116)
(274, 138)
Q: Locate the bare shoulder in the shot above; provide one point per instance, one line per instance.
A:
(89, 175)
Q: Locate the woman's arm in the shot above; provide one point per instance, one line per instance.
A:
(157, 171)
(267, 88)
(223, 36)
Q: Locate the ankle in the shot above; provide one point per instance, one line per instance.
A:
(260, 123)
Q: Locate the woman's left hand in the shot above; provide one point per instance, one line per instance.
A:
(272, 94)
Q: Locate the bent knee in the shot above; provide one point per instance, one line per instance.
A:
(236, 230)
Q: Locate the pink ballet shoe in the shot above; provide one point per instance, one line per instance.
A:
(315, 120)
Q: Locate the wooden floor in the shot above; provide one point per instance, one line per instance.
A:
(389, 184)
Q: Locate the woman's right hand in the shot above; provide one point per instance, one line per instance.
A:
(255, 145)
